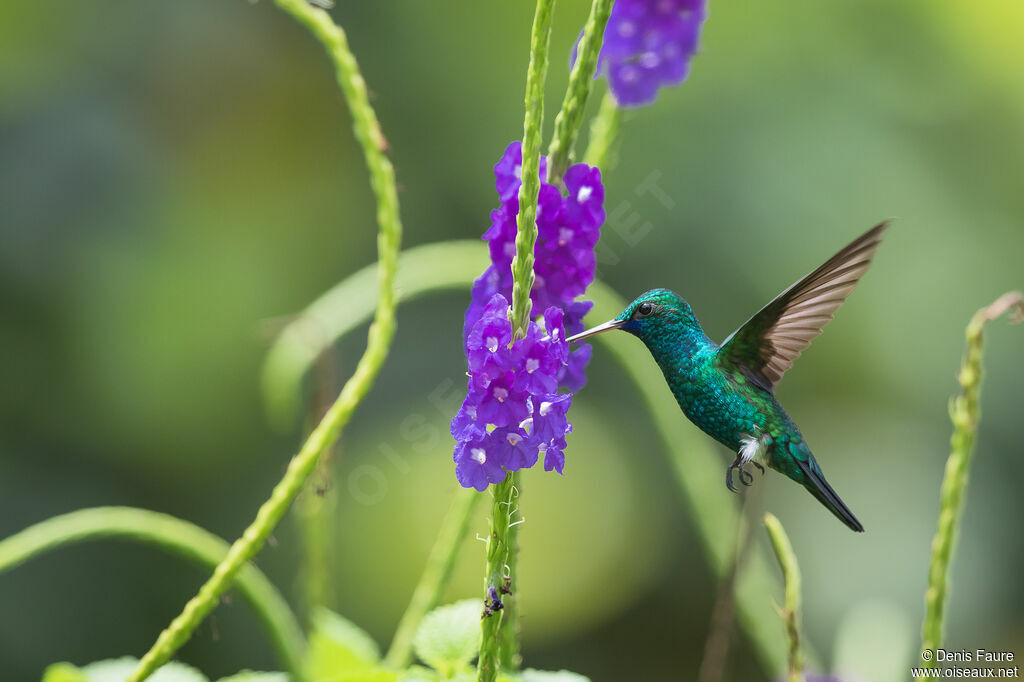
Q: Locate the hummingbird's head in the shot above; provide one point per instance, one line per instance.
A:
(659, 311)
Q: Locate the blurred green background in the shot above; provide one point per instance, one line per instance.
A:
(176, 179)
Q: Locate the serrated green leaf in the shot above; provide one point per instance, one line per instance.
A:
(449, 636)
(338, 647)
(255, 676)
(117, 670)
(530, 675)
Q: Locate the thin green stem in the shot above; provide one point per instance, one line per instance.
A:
(175, 536)
(723, 614)
(965, 413)
(505, 505)
(382, 180)
(497, 645)
(581, 80)
(315, 506)
(526, 234)
(604, 130)
(791, 612)
(314, 515)
(436, 575)
(508, 642)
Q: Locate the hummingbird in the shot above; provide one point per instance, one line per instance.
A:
(728, 390)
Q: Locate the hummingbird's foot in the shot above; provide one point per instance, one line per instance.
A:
(737, 465)
(746, 478)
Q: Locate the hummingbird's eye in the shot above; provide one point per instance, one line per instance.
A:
(644, 309)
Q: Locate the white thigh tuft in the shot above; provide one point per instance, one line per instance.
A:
(751, 448)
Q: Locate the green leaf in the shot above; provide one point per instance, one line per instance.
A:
(339, 648)
(530, 675)
(117, 670)
(255, 676)
(449, 636)
(63, 672)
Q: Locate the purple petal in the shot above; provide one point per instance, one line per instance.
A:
(478, 464)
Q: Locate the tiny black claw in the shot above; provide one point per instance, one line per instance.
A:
(746, 478)
(728, 476)
(759, 467)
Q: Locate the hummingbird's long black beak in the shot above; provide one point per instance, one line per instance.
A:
(607, 326)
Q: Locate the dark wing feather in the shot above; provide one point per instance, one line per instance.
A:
(769, 342)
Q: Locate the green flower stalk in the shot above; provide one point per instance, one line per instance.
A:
(570, 117)
(509, 655)
(501, 539)
(175, 536)
(382, 180)
(604, 130)
(526, 236)
(504, 508)
(436, 576)
(965, 413)
(791, 612)
(315, 507)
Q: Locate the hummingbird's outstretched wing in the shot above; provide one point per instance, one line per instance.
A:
(769, 342)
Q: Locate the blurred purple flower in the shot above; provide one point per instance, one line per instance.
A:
(513, 411)
(648, 45)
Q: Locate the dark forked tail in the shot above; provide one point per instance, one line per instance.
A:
(816, 484)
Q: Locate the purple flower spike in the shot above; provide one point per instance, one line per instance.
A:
(648, 45)
(513, 411)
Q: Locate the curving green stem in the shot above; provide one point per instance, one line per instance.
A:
(382, 180)
(504, 508)
(604, 130)
(436, 575)
(964, 412)
(791, 613)
(581, 80)
(526, 234)
(175, 536)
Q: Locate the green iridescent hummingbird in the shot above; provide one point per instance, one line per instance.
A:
(728, 390)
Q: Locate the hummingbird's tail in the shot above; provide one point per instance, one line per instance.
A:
(816, 484)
